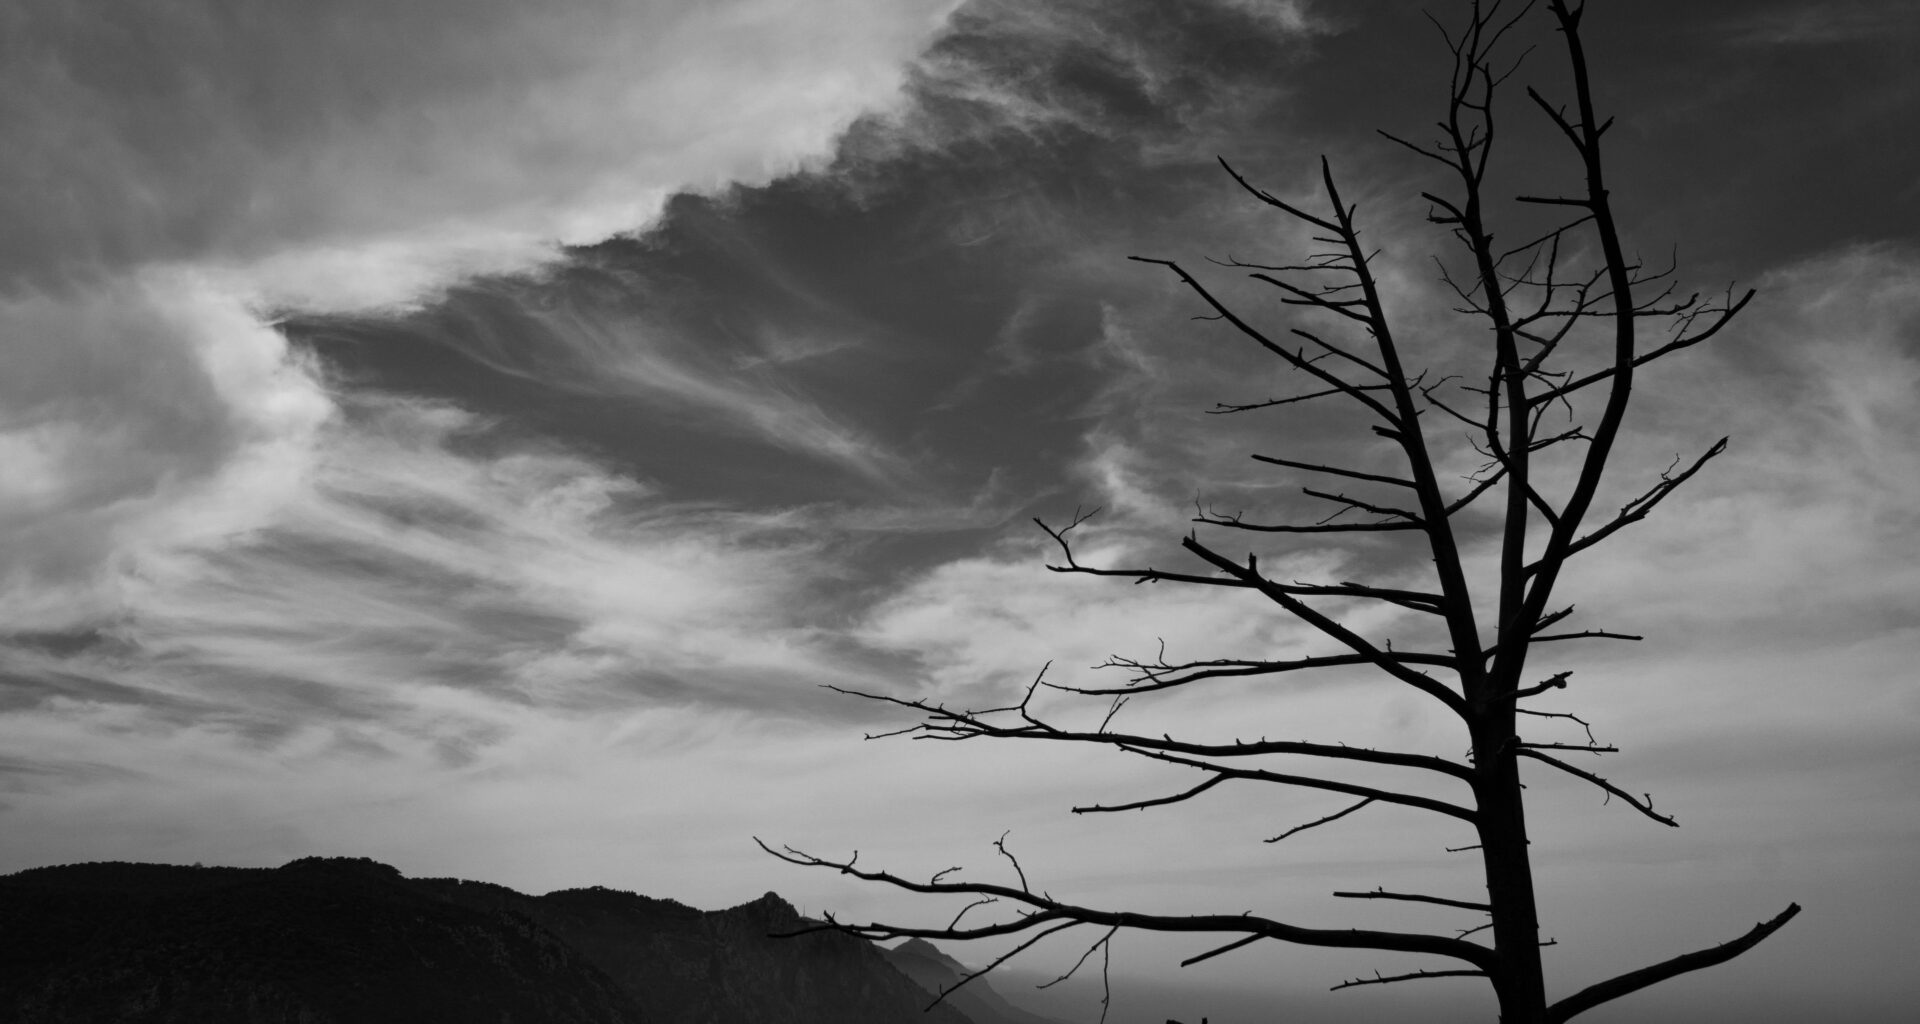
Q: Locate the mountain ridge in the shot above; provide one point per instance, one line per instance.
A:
(320, 940)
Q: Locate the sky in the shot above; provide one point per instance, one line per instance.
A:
(472, 435)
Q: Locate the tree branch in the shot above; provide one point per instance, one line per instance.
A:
(1307, 782)
(1291, 358)
(1416, 975)
(1105, 944)
(1644, 806)
(1358, 644)
(956, 724)
(1585, 634)
(1382, 894)
(1335, 470)
(1155, 802)
(1218, 950)
(941, 996)
(1634, 981)
(1363, 506)
(1164, 676)
(1045, 910)
(1268, 198)
(1635, 510)
(1335, 816)
(1684, 341)
(1554, 682)
(1220, 408)
(1236, 523)
(1414, 599)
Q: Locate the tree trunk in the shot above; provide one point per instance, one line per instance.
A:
(1503, 846)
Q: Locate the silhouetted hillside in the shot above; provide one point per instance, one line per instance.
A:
(315, 942)
(347, 941)
(936, 972)
(693, 967)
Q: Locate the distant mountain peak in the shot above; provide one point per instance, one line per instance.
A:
(921, 948)
(770, 906)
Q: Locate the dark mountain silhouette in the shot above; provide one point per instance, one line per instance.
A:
(352, 941)
(314, 941)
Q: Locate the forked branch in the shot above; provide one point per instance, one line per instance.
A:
(1721, 319)
(1163, 675)
(1313, 617)
(1044, 911)
(1635, 510)
(1223, 772)
(946, 723)
(1413, 599)
(1297, 360)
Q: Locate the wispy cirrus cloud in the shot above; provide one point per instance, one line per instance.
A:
(421, 557)
(182, 132)
(1815, 387)
(1821, 22)
(140, 415)
(182, 172)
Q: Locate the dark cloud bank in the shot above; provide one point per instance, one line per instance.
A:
(920, 315)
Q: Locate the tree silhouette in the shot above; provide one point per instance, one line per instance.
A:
(1545, 426)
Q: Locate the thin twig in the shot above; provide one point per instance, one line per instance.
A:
(1335, 816)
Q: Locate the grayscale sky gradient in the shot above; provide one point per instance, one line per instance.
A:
(469, 434)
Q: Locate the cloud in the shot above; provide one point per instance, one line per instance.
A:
(465, 614)
(182, 172)
(242, 538)
(427, 555)
(1823, 22)
(185, 132)
(1816, 386)
(598, 329)
(180, 476)
(153, 413)
(822, 315)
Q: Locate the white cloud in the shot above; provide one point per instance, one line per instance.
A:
(417, 559)
(179, 173)
(179, 133)
(1818, 389)
(145, 415)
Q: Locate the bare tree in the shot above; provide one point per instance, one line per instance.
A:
(1544, 426)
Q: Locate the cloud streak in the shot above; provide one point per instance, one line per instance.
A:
(189, 132)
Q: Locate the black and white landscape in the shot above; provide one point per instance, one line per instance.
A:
(476, 436)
